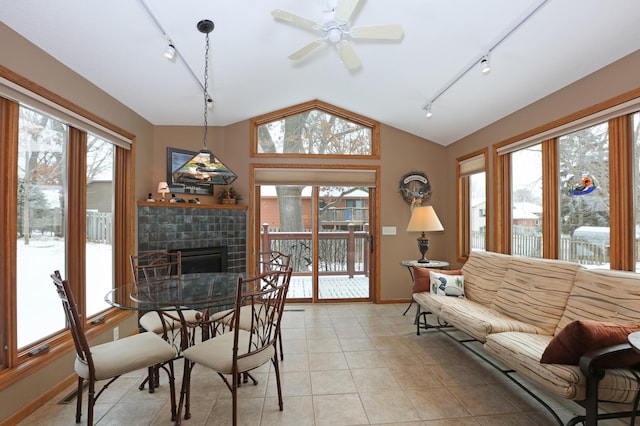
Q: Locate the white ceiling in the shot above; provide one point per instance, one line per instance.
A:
(116, 45)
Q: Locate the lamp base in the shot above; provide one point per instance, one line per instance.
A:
(423, 246)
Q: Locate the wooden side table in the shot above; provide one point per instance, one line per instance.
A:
(432, 264)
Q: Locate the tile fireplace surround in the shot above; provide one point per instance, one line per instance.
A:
(170, 226)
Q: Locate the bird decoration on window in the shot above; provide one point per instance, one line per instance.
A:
(586, 186)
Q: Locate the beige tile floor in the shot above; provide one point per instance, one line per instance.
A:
(345, 364)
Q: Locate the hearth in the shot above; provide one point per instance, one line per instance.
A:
(203, 259)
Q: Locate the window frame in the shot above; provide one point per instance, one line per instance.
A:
(463, 208)
(617, 112)
(373, 125)
(13, 87)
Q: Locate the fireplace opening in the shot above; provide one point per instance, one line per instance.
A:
(203, 259)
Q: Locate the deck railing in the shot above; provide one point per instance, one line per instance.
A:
(339, 252)
(573, 250)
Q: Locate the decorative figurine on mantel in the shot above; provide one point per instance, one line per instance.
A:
(150, 198)
(229, 196)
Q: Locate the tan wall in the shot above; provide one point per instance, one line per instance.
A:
(620, 77)
(22, 57)
(400, 153)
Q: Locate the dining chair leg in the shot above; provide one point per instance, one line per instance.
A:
(151, 379)
(172, 389)
(277, 371)
(234, 397)
(79, 399)
(281, 352)
(184, 393)
(92, 401)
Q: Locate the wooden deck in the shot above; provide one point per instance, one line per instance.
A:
(330, 287)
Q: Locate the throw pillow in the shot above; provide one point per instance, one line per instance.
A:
(421, 281)
(422, 278)
(446, 284)
(579, 337)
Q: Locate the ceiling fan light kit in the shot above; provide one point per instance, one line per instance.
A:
(336, 29)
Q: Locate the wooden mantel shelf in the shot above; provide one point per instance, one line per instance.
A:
(191, 205)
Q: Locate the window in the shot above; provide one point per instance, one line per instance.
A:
(636, 189)
(99, 246)
(472, 200)
(526, 201)
(315, 129)
(41, 237)
(584, 196)
(52, 173)
(478, 210)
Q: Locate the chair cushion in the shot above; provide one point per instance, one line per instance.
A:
(603, 295)
(535, 291)
(125, 355)
(217, 353)
(152, 322)
(226, 317)
(581, 336)
(483, 273)
(522, 351)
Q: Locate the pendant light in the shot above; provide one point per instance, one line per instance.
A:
(204, 168)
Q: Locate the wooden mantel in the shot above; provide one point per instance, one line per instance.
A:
(191, 205)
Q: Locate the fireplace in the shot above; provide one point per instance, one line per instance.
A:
(203, 259)
(186, 227)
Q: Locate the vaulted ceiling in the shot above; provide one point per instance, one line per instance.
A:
(536, 47)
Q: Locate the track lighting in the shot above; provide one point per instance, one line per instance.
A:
(170, 52)
(485, 67)
(428, 109)
(483, 60)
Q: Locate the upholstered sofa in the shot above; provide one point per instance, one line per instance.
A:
(524, 310)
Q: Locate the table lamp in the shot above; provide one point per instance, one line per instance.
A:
(424, 219)
(163, 188)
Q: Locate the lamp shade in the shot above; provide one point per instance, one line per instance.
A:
(163, 188)
(424, 219)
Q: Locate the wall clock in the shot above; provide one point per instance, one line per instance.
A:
(415, 188)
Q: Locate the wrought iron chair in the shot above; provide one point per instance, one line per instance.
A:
(153, 268)
(110, 360)
(266, 262)
(242, 350)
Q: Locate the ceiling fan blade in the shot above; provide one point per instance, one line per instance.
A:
(348, 55)
(298, 54)
(345, 10)
(378, 32)
(294, 19)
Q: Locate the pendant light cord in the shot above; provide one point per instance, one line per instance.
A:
(206, 91)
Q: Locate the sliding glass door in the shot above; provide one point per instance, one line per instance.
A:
(325, 229)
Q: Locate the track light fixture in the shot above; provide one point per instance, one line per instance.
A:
(483, 60)
(428, 110)
(485, 66)
(170, 52)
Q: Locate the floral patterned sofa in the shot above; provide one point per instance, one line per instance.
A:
(555, 323)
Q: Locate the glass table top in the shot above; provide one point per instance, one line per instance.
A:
(205, 290)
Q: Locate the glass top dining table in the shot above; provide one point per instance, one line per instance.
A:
(212, 291)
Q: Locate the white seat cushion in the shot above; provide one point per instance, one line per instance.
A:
(217, 353)
(152, 322)
(125, 355)
(225, 317)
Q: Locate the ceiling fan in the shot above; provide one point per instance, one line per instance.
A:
(336, 28)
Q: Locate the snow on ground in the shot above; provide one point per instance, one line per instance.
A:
(39, 308)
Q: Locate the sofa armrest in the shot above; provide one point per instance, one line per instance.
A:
(591, 362)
